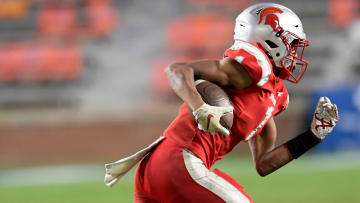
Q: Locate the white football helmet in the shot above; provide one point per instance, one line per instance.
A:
(279, 31)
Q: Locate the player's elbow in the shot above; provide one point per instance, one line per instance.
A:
(175, 66)
(175, 70)
(262, 170)
(169, 69)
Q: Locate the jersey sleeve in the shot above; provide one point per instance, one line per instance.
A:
(252, 59)
(284, 101)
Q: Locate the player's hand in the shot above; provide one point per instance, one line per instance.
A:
(325, 118)
(208, 118)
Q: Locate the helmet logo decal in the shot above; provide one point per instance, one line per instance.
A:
(270, 17)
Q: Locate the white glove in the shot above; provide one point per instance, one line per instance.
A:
(208, 118)
(325, 118)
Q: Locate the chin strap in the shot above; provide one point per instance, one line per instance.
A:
(279, 31)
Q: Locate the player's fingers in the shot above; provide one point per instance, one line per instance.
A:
(331, 110)
(320, 104)
(327, 106)
(226, 109)
(200, 127)
(327, 100)
(222, 129)
(336, 113)
(213, 129)
(328, 113)
(324, 104)
(327, 103)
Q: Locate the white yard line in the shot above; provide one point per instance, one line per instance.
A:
(52, 175)
(95, 172)
(49, 175)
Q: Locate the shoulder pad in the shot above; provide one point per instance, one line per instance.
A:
(253, 59)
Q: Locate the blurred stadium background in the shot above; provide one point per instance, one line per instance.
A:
(82, 84)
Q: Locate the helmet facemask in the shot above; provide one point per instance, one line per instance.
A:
(286, 50)
(293, 65)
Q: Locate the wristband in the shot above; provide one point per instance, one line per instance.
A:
(302, 143)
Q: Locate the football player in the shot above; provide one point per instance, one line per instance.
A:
(269, 47)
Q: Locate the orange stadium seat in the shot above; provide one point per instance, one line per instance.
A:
(102, 16)
(57, 20)
(13, 61)
(159, 82)
(70, 63)
(199, 33)
(343, 12)
(14, 9)
(191, 37)
(227, 4)
(40, 62)
(61, 63)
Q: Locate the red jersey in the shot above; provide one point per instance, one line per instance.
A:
(253, 108)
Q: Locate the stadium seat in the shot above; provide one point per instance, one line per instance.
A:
(102, 18)
(159, 83)
(61, 63)
(21, 62)
(14, 9)
(57, 21)
(230, 5)
(343, 12)
(204, 32)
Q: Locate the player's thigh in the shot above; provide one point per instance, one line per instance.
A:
(217, 182)
(173, 174)
(162, 176)
(138, 199)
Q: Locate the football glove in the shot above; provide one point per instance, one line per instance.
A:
(208, 118)
(325, 118)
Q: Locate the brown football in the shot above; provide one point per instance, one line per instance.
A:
(214, 95)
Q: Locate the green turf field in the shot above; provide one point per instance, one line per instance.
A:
(306, 180)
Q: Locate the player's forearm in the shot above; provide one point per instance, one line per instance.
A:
(181, 79)
(273, 160)
(283, 154)
(267, 160)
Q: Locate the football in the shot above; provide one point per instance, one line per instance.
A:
(214, 95)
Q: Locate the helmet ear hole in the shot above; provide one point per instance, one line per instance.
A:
(277, 54)
(271, 44)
